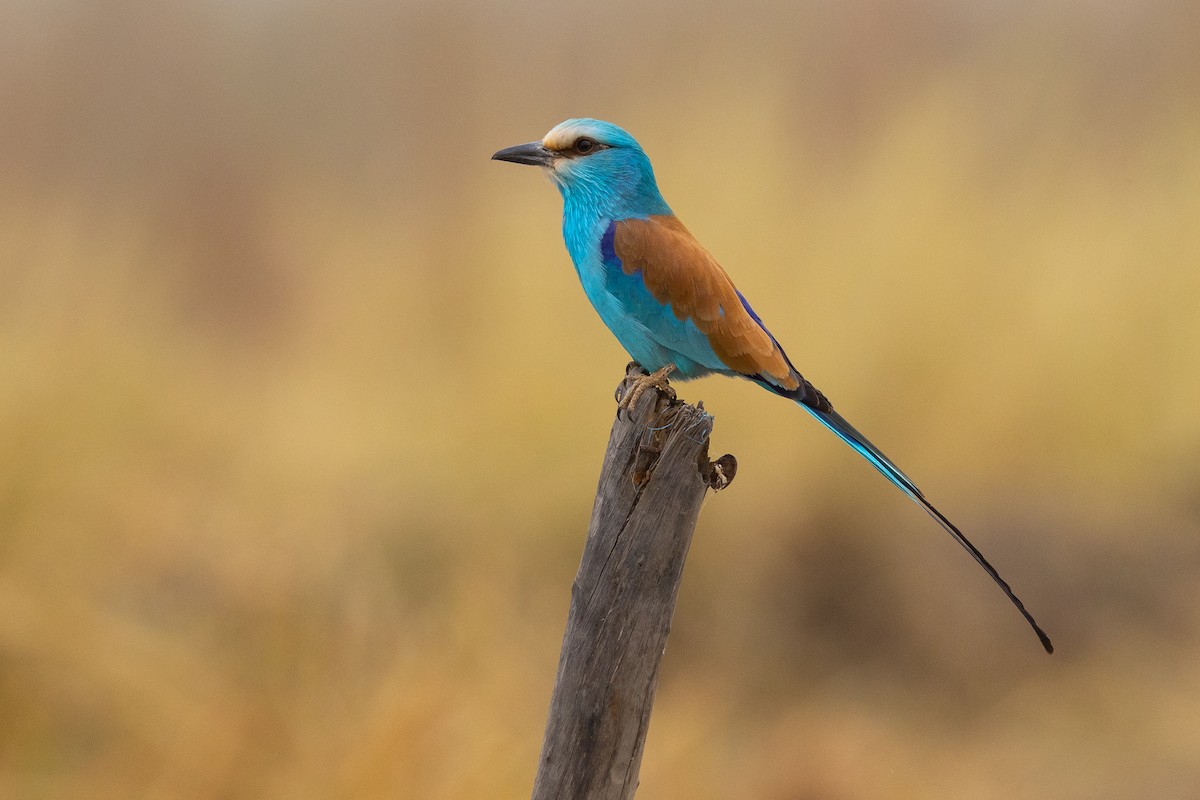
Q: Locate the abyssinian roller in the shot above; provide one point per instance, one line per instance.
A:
(668, 301)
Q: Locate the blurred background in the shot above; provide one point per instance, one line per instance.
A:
(302, 407)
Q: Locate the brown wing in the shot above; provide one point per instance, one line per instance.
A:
(679, 271)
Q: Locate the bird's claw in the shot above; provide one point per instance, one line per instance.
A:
(633, 392)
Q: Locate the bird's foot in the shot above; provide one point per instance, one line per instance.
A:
(656, 379)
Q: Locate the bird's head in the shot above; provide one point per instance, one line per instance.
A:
(595, 162)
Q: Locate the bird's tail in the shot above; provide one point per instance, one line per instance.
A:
(848, 434)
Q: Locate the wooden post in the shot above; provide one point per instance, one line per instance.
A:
(655, 474)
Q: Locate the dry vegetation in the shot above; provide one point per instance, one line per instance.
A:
(301, 406)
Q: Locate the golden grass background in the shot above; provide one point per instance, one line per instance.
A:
(301, 407)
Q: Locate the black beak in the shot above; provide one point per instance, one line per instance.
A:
(530, 153)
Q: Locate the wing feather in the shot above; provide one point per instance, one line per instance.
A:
(679, 272)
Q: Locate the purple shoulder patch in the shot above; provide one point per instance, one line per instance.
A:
(608, 251)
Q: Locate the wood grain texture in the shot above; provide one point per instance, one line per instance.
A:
(655, 474)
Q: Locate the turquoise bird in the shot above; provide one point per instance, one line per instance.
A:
(668, 301)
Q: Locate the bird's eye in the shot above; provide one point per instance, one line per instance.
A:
(584, 145)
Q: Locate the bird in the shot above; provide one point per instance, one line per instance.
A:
(667, 300)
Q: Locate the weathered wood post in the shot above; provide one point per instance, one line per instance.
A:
(655, 474)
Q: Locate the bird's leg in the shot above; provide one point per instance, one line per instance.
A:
(657, 379)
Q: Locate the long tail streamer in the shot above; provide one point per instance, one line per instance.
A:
(848, 434)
